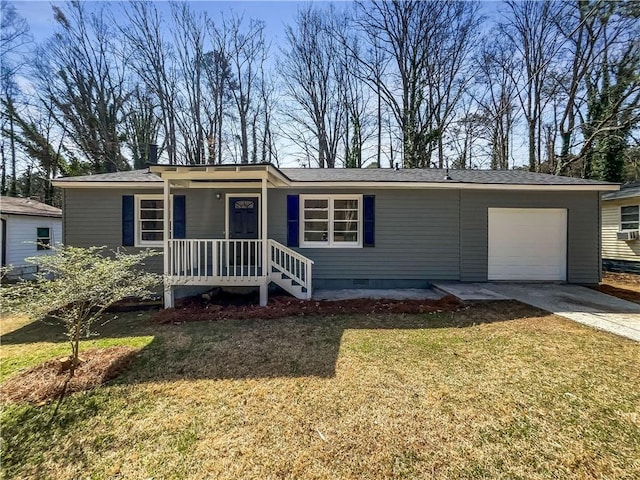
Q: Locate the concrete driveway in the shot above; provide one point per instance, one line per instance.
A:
(574, 302)
(580, 304)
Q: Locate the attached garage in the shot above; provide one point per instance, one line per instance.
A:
(527, 244)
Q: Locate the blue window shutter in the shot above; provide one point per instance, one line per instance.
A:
(179, 217)
(293, 220)
(128, 221)
(369, 208)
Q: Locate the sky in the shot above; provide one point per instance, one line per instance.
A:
(274, 13)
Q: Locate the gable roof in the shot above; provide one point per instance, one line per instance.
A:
(26, 206)
(143, 175)
(340, 176)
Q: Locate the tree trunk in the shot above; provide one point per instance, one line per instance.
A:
(3, 180)
(531, 123)
(13, 187)
(379, 147)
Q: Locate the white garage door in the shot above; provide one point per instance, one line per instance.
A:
(527, 244)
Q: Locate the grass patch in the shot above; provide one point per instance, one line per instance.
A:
(26, 343)
(498, 390)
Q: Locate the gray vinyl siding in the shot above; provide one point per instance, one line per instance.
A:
(420, 235)
(93, 217)
(416, 237)
(583, 249)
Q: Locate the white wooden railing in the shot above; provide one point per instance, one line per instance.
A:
(295, 266)
(195, 261)
(238, 262)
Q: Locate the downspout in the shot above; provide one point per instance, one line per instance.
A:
(599, 237)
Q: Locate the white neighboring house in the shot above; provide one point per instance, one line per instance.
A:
(621, 229)
(28, 229)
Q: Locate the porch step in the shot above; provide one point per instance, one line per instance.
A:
(288, 285)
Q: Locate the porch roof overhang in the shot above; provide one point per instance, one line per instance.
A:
(216, 176)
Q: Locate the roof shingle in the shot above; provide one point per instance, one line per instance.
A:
(341, 175)
(129, 176)
(629, 190)
(26, 206)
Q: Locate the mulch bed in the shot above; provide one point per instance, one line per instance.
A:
(623, 293)
(622, 285)
(44, 383)
(195, 310)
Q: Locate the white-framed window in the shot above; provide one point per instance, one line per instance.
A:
(630, 217)
(43, 238)
(149, 220)
(331, 221)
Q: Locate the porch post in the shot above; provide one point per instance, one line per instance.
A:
(168, 288)
(266, 264)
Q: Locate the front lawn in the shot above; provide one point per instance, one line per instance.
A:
(497, 390)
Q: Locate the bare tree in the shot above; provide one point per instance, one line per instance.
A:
(142, 126)
(14, 35)
(269, 101)
(312, 80)
(246, 52)
(152, 61)
(429, 43)
(7, 126)
(350, 74)
(497, 76)
(189, 30)
(219, 82)
(448, 69)
(79, 75)
(529, 26)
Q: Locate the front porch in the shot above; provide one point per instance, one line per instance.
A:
(244, 255)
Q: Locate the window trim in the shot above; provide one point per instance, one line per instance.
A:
(40, 247)
(138, 242)
(331, 243)
(621, 222)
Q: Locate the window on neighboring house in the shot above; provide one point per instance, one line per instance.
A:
(331, 220)
(149, 220)
(630, 217)
(43, 238)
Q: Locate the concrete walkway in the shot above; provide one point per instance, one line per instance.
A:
(574, 302)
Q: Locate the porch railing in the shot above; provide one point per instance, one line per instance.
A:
(296, 267)
(211, 261)
(203, 260)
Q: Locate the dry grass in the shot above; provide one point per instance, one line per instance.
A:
(9, 324)
(621, 285)
(622, 279)
(497, 390)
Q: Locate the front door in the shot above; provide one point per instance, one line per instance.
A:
(243, 217)
(243, 225)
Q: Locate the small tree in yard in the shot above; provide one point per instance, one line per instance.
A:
(76, 285)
